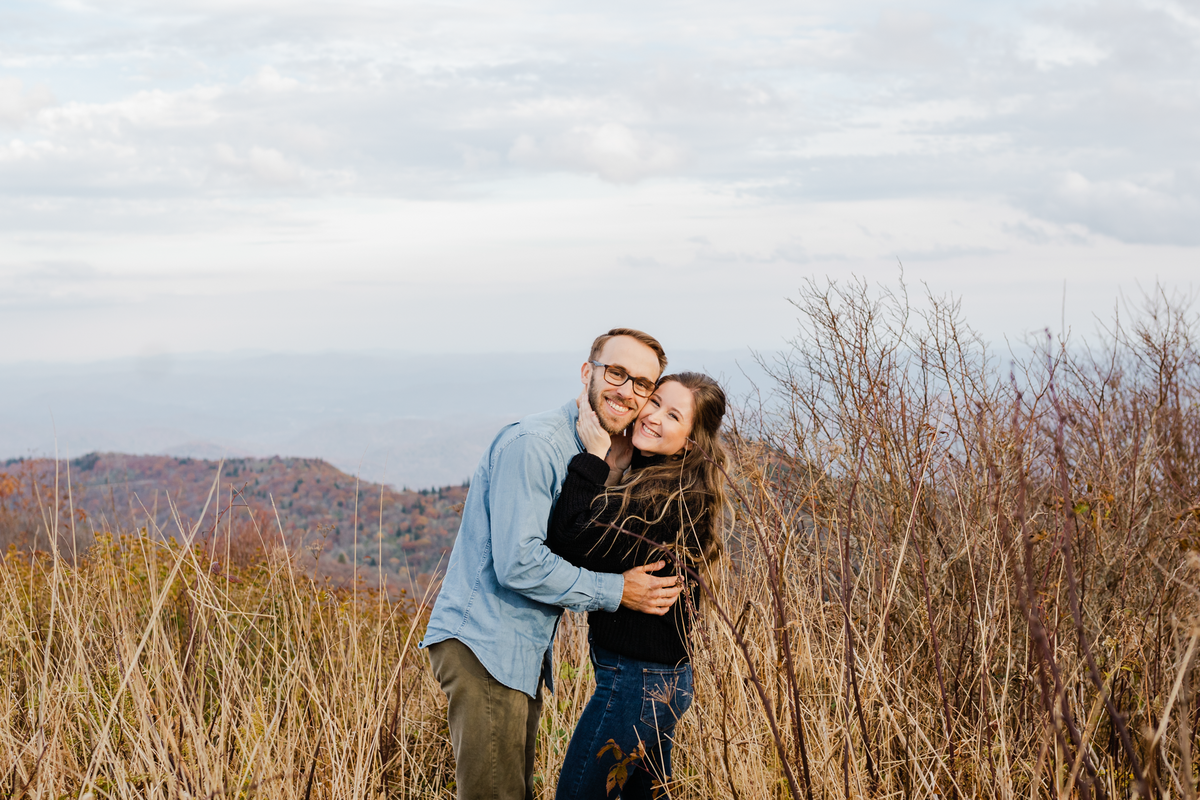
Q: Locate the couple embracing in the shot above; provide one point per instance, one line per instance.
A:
(593, 507)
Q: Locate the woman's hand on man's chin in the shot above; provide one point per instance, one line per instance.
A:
(595, 439)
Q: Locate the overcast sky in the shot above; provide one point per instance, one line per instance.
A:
(515, 175)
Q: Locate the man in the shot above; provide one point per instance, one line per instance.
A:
(493, 624)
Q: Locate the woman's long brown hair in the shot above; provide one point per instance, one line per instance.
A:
(689, 480)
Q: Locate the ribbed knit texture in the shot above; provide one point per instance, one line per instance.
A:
(579, 532)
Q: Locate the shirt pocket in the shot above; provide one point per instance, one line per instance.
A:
(666, 694)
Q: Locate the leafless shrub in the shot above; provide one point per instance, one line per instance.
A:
(991, 574)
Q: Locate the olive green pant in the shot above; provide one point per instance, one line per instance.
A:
(492, 728)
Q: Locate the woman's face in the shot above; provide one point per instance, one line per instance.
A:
(665, 423)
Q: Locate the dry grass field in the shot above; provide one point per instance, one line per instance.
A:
(948, 576)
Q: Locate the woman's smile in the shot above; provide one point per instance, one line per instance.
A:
(665, 423)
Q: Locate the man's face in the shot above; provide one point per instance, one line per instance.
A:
(618, 406)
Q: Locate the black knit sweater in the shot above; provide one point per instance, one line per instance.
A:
(580, 533)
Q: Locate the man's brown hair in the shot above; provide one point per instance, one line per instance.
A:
(642, 337)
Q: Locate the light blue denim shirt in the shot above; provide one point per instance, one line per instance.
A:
(504, 590)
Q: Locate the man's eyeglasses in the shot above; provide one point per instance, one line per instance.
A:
(617, 376)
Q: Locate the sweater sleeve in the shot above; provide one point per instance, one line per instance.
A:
(577, 527)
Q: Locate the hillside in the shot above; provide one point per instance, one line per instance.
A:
(331, 519)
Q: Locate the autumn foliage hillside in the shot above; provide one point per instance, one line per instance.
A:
(332, 519)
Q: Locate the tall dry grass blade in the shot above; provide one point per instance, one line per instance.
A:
(160, 600)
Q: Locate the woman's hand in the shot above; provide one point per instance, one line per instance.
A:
(595, 439)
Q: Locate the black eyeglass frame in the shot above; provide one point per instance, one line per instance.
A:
(638, 383)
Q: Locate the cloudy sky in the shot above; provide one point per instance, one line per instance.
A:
(513, 175)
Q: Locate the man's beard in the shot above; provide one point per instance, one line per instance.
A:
(599, 406)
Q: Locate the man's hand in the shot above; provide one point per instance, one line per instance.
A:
(650, 595)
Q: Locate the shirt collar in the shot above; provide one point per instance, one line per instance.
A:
(572, 409)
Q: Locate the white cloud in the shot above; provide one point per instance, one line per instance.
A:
(191, 108)
(612, 151)
(477, 158)
(912, 37)
(1154, 209)
(272, 166)
(62, 272)
(262, 163)
(1186, 18)
(268, 79)
(18, 105)
(18, 150)
(1048, 47)
(122, 120)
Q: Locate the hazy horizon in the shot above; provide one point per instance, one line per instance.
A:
(401, 419)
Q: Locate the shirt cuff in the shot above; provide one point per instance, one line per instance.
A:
(609, 588)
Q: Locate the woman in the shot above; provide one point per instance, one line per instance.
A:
(672, 501)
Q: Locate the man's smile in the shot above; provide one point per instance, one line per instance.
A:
(616, 408)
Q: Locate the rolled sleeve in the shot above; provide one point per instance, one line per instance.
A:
(520, 498)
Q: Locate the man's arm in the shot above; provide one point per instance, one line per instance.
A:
(519, 498)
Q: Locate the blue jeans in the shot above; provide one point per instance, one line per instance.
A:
(636, 702)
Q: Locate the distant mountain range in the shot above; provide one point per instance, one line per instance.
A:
(395, 419)
(335, 525)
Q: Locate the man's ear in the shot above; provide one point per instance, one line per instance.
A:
(585, 373)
